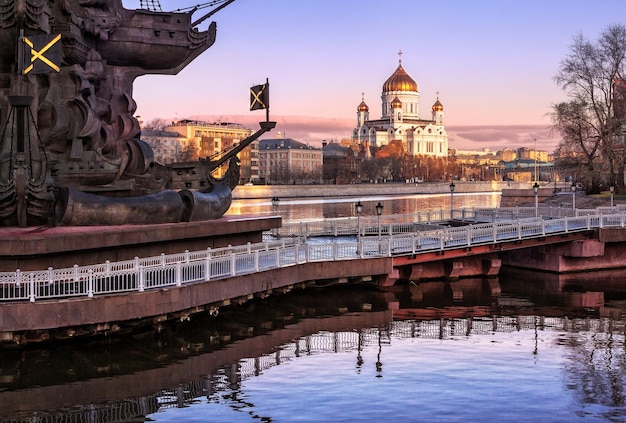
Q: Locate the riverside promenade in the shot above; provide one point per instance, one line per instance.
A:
(115, 297)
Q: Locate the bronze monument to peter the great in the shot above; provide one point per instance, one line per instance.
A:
(70, 148)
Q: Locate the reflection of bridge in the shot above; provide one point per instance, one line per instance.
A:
(206, 381)
(471, 243)
(228, 379)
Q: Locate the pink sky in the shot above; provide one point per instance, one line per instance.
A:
(491, 61)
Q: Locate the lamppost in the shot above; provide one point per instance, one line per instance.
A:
(451, 198)
(275, 203)
(536, 191)
(379, 212)
(612, 189)
(358, 208)
(573, 188)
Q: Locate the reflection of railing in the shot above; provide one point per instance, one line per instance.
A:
(177, 269)
(220, 385)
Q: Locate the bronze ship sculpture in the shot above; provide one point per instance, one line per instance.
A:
(70, 147)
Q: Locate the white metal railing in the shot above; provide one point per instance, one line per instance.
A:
(141, 274)
(421, 221)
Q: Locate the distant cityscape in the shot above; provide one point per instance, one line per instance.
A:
(400, 146)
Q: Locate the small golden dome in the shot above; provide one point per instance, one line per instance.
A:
(437, 107)
(400, 81)
(396, 103)
(362, 107)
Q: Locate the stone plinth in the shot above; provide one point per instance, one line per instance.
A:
(43, 247)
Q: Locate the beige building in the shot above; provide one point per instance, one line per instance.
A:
(167, 146)
(287, 161)
(211, 140)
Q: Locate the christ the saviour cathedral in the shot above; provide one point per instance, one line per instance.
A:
(401, 120)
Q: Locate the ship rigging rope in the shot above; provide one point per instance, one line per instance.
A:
(155, 5)
(201, 6)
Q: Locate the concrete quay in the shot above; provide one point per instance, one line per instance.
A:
(355, 190)
(26, 322)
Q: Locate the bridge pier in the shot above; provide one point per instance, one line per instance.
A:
(446, 269)
(574, 256)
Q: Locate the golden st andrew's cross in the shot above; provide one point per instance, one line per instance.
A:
(42, 54)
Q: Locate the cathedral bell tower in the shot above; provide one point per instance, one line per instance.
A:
(438, 112)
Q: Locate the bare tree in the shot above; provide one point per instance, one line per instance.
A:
(592, 75)
(156, 124)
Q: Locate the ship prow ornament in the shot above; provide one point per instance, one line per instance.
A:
(70, 147)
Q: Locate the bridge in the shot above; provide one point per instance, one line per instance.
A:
(469, 242)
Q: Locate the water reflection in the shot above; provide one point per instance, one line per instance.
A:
(303, 209)
(223, 361)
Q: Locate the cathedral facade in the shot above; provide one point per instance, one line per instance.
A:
(401, 121)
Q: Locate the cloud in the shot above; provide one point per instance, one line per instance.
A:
(310, 130)
(314, 130)
(497, 137)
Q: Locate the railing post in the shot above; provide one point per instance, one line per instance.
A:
(469, 235)
(442, 242)
(207, 265)
(519, 229)
(277, 257)
(50, 276)
(334, 251)
(76, 278)
(233, 263)
(565, 224)
(142, 282)
(186, 256)
(18, 277)
(107, 268)
(31, 294)
(90, 284)
(495, 233)
(179, 274)
(256, 261)
(249, 245)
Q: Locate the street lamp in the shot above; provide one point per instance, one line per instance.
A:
(536, 191)
(612, 189)
(379, 212)
(358, 208)
(275, 203)
(573, 188)
(451, 198)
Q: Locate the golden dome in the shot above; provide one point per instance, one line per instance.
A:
(437, 107)
(362, 107)
(396, 103)
(400, 81)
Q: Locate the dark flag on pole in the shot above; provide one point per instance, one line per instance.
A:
(42, 54)
(260, 97)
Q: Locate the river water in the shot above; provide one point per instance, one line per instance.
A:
(523, 347)
(305, 209)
